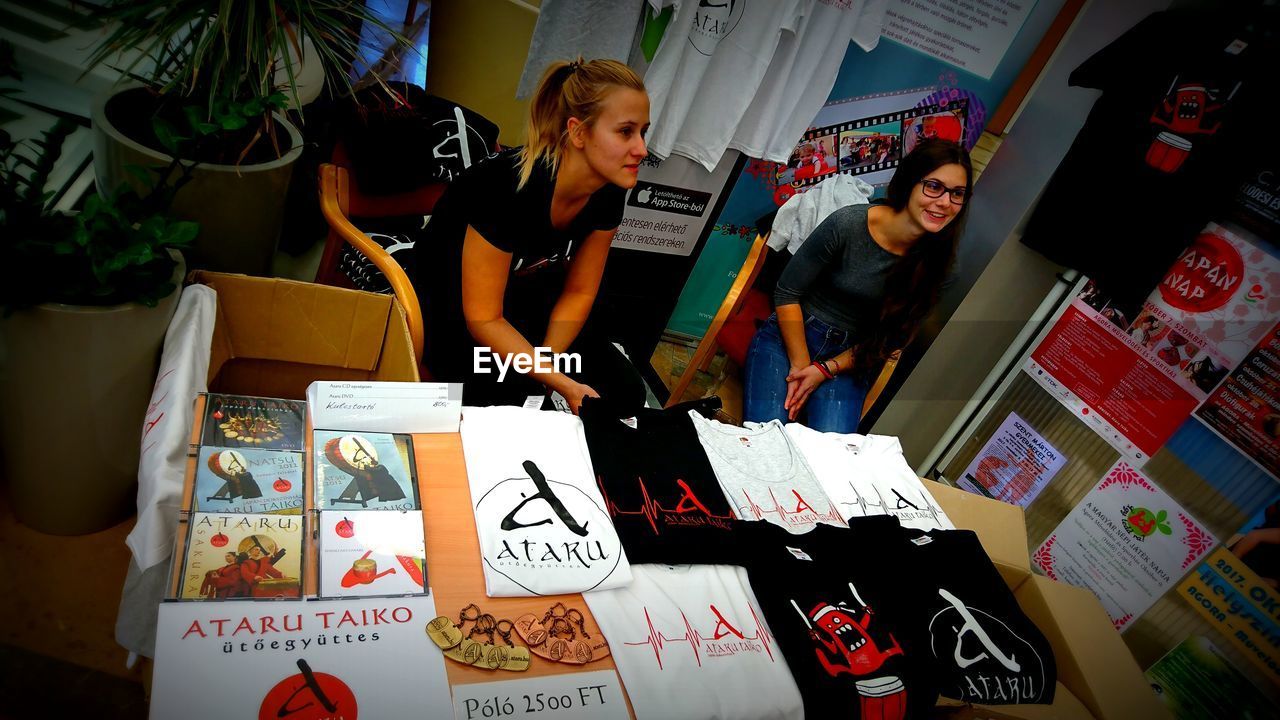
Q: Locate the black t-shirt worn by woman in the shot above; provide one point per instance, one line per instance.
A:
(515, 221)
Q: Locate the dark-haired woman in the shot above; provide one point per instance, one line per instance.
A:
(514, 253)
(856, 291)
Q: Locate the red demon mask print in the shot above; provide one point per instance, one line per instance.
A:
(1188, 109)
(844, 645)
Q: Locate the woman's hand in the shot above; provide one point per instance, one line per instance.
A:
(574, 392)
(801, 383)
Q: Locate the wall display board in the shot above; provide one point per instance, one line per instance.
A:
(299, 659)
(1127, 542)
(1015, 464)
(970, 36)
(1235, 589)
(903, 77)
(1195, 680)
(1134, 375)
(1245, 409)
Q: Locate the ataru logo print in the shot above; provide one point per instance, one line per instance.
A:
(712, 21)
(548, 525)
(988, 662)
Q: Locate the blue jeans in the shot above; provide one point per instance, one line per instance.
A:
(834, 406)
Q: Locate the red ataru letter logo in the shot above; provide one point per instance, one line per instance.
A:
(801, 503)
(309, 695)
(688, 501)
(722, 623)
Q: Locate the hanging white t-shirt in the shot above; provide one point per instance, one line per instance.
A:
(708, 67)
(541, 521)
(867, 475)
(569, 28)
(801, 74)
(764, 475)
(690, 642)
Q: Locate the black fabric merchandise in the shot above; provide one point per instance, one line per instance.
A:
(985, 649)
(653, 475)
(844, 607)
(401, 141)
(519, 222)
(1185, 101)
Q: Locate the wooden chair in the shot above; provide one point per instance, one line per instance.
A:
(336, 203)
(731, 315)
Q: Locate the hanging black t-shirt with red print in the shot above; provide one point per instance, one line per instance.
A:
(653, 475)
(1184, 98)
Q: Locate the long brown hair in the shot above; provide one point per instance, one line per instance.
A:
(915, 283)
(568, 89)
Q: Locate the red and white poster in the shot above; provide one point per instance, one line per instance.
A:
(1134, 380)
(1127, 542)
(304, 660)
(1245, 409)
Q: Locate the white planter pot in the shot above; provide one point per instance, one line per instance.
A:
(239, 208)
(74, 385)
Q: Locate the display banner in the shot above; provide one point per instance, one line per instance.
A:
(1135, 376)
(1127, 542)
(1014, 465)
(303, 660)
(669, 208)
(1245, 409)
(972, 36)
(1235, 589)
(1195, 680)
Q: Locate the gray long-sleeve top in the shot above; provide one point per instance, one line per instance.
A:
(838, 274)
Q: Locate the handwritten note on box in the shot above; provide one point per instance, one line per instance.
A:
(393, 407)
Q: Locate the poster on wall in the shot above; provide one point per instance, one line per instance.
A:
(1245, 409)
(669, 207)
(368, 658)
(1127, 542)
(1237, 589)
(1195, 680)
(1135, 374)
(970, 36)
(1014, 465)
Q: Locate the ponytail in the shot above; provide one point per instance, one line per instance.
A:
(568, 89)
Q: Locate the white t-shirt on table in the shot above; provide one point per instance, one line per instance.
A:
(868, 475)
(690, 642)
(541, 522)
(764, 475)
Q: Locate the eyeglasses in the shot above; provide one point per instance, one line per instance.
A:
(934, 189)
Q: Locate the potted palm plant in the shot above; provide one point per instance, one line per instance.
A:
(86, 301)
(208, 82)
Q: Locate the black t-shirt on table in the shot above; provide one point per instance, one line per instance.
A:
(653, 475)
(515, 221)
(1184, 105)
(986, 650)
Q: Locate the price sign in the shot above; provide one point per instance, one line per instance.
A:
(575, 695)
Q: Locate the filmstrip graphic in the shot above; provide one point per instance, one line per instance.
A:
(870, 144)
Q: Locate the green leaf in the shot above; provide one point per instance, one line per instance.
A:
(253, 107)
(181, 234)
(167, 134)
(143, 175)
(278, 100)
(232, 122)
(1161, 516)
(1165, 529)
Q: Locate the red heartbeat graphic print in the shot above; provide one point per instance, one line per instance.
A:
(689, 510)
(711, 646)
(803, 514)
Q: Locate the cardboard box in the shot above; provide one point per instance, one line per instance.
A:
(1097, 675)
(275, 337)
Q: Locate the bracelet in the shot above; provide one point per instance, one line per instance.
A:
(823, 369)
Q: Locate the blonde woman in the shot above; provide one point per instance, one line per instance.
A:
(512, 258)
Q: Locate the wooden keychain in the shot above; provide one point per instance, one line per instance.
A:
(463, 649)
(554, 638)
